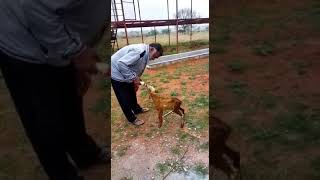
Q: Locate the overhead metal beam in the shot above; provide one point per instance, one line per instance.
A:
(152, 23)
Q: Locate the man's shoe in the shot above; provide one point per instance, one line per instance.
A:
(143, 110)
(138, 122)
(104, 157)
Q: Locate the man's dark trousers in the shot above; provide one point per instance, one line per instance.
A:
(51, 112)
(127, 98)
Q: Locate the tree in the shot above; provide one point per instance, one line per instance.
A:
(152, 33)
(165, 31)
(186, 14)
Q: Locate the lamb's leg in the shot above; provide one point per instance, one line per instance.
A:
(180, 114)
(235, 156)
(221, 163)
(160, 112)
(177, 112)
(181, 109)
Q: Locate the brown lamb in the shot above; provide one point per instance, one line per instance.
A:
(165, 103)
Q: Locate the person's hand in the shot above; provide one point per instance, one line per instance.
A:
(136, 83)
(85, 66)
(86, 61)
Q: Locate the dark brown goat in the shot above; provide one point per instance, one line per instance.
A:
(220, 151)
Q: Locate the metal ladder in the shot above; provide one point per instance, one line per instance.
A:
(117, 6)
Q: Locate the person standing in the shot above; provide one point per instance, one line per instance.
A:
(46, 59)
(127, 66)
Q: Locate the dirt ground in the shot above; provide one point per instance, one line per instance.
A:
(148, 152)
(17, 159)
(264, 82)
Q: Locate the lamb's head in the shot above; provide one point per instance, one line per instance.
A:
(149, 87)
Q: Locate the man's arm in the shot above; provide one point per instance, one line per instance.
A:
(46, 22)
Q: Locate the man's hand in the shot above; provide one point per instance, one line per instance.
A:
(136, 83)
(85, 65)
(86, 61)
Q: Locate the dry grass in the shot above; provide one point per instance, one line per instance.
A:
(164, 38)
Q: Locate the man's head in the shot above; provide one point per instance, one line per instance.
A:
(155, 51)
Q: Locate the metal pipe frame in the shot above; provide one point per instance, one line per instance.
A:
(177, 24)
(162, 22)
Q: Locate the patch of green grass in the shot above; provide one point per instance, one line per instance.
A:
(176, 150)
(122, 151)
(263, 172)
(268, 101)
(185, 46)
(315, 167)
(101, 106)
(296, 127)
(176, 77)
(192, 77)
(145, 77)
(219, 50)
(8, 165)
(263, 49)
(238, 88)
(104, 84)
(262, 134)
(202, 101)
(221, 38)
(144, 93)
(214, 103)
(204, 146)
(164, 80)
(159, 90)
(161, 75)
(207, 67)
(183, 83)
(248, 21)
(163, 167)
(183, 136)
(127, 178)
(237, 66)
(169, 164)
(300, 67)
(198, 124)
(149, 134)
(201, 169)
(134, 134)
(174, 93)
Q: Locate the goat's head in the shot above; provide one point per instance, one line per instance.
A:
(149, 87)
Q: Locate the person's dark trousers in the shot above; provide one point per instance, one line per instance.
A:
(127, 98)
(51, 112)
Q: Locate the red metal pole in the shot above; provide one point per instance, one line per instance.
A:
(168, 19)
(191, 24)
(177, 25)
(134, 9)
(140, 21)
(155, 34)
(124, 22)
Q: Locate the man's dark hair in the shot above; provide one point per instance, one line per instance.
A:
(158, 47)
